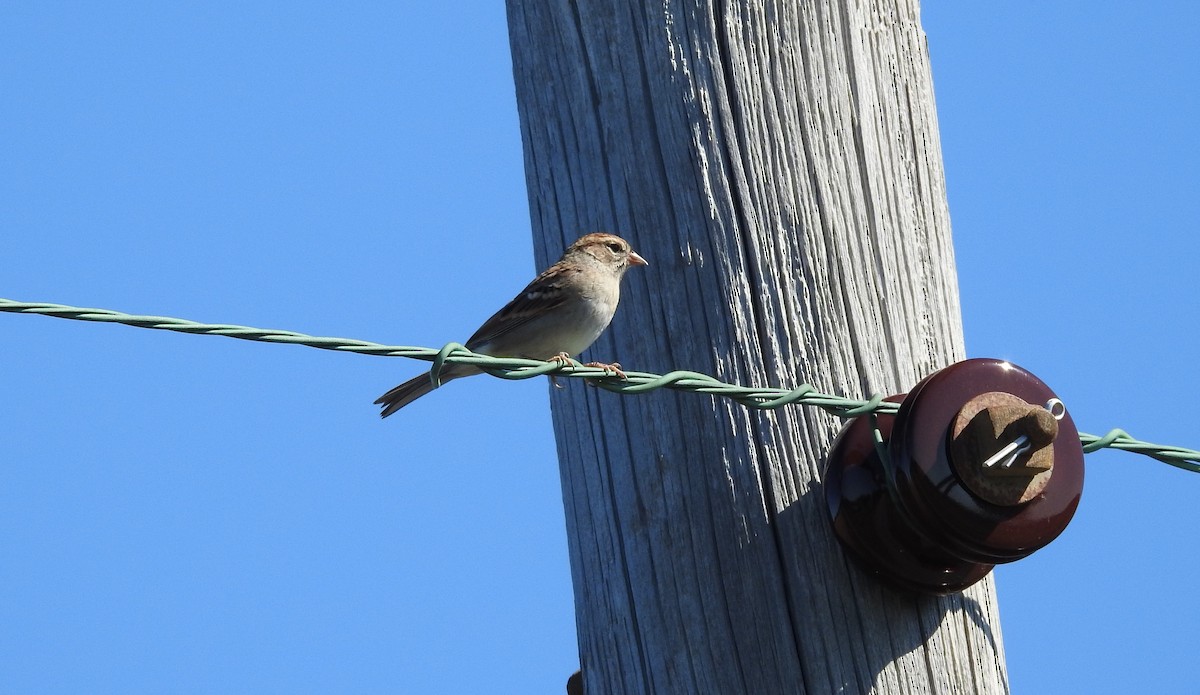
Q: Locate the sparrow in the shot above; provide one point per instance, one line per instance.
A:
(556, 317)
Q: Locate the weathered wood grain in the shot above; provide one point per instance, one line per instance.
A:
(778, 164)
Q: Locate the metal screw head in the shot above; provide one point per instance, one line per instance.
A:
(1001, 447)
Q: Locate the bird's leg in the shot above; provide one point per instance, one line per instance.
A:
(564, 359)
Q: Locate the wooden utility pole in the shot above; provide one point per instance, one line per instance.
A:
(778, 164)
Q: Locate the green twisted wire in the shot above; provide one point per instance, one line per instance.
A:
(516, 368)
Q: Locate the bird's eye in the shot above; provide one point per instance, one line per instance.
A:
(614, 247)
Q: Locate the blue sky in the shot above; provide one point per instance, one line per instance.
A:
(193, 514)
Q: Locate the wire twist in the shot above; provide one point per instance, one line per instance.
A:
(516, 368)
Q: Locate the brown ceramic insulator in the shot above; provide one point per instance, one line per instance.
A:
(932, 494)
(915, 522)
(870, 526)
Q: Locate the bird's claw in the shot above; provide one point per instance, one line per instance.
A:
(565, 360)
(613, 369)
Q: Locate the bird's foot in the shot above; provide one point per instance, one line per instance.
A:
(613, 369)
(565, 360)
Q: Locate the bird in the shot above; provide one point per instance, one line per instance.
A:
(557, 316)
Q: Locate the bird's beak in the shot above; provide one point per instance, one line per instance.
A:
(635, 259)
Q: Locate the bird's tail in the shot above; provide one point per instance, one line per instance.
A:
(416, 387)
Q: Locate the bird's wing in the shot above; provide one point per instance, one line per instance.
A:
(543, 296)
